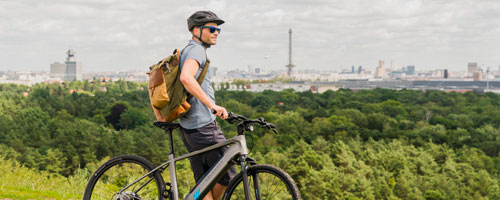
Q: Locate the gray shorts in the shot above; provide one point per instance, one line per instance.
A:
(196, 139)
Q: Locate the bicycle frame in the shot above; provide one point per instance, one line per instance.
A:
(238, 148)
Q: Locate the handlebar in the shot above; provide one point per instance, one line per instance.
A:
(246, 123)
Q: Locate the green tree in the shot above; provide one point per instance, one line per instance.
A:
(132, 118)
(115, 112)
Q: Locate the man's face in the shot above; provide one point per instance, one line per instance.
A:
(209, 38)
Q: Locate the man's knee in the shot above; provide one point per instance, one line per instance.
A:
(218, 190)
(209, 196)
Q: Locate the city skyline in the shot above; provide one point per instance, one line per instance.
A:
(343, 69)
(115, 35)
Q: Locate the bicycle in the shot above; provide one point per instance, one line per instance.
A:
(117, 178)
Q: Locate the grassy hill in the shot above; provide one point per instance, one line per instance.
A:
(19, 182)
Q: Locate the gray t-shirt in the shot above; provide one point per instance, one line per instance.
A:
(199, 115)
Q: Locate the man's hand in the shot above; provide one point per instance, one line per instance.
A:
(220, 111)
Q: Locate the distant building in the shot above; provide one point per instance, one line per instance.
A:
(298, 87)
(57, 70)
(71, 70)
(437, 73)
(380, 70)
(257, 70)
(213, 71)
(398, 74)
(445, 73)
(393, 65)
(360, 69)
(471, 69)
(410, 70)
(478, 76)
(352, 70)
(251, 69)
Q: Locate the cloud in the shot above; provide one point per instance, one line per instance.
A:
(328, 34)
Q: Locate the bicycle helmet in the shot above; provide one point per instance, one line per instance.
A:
(200, 18)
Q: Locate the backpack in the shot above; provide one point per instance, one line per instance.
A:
(166, 92)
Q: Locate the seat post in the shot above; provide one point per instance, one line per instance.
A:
(168, 127)
(170, 131)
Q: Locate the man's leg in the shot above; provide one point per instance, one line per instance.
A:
(218, 190)
(208, 196)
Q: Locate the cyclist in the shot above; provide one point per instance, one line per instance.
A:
(199, 128)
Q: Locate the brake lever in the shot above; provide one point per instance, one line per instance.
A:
(231, 118)
(262, 122)
(271, 127)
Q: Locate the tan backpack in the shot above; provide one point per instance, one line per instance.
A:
(166, 92)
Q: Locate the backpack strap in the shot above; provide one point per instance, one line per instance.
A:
(201, 78)
(203, 72)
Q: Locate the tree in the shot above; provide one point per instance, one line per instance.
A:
(392, 108)
(53, 161)
(132, 118)
(262, 103)
(116, 111)
(234, 106)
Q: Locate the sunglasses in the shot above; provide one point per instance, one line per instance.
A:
(211, 29)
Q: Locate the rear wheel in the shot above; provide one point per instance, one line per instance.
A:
(266, 182)
(120, 171)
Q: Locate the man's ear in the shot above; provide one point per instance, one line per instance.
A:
(195, 30)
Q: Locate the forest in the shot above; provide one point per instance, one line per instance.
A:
(366, 144)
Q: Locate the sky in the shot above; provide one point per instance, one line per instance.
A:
(123, 35)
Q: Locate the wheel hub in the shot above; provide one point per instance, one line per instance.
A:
(127, 195)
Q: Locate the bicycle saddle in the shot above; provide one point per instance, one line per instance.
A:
(166, 125)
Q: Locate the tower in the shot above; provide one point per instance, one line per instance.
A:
(380, 70)
(265, 64)
(290, 66)
(70, 70)
(73, 68)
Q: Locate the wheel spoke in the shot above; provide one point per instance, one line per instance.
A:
(273, 183)
(274, 187)
(102, 196)
(120, 172)
(106, 190)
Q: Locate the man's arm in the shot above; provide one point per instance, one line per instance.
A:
(189, 70)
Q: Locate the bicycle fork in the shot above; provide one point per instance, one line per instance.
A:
(244, 161)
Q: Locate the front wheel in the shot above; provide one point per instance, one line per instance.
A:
(266, 182)
(120, 171)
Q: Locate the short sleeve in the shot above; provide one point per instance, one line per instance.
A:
(197, 53)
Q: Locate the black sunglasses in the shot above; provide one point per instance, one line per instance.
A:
(212, 29)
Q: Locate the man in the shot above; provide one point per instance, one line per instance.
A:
(199, 128)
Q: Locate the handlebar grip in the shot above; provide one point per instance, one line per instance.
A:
(215, 112)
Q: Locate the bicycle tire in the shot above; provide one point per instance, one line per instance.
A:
(112, 181)
(264, 173)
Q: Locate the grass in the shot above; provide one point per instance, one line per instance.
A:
(19, 182)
